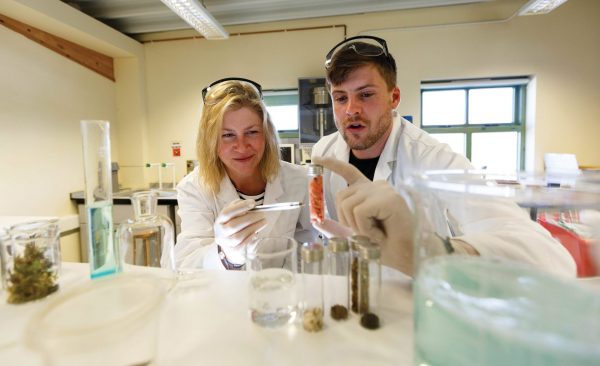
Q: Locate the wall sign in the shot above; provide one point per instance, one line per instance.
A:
(176, 148)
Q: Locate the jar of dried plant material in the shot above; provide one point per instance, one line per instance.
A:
(369, 284)
(338, 279)
(312, 281)
(355, 242)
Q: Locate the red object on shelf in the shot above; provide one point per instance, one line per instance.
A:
(578, 247)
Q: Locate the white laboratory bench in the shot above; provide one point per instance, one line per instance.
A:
(205, 321)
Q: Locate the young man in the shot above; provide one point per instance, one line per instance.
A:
(361, 77)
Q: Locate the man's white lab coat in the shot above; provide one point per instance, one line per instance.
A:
(493, 229)
(199, 208)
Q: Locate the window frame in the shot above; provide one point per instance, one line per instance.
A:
(293, 94)
(519, 113)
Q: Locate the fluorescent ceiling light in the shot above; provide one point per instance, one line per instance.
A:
(534, 7)
(196, 15)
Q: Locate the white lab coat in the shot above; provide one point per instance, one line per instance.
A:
(496, 229)
(199, 208)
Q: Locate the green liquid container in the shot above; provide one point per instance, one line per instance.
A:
(474, 311)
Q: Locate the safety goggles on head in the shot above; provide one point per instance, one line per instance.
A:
(253, 83)
(363, 45)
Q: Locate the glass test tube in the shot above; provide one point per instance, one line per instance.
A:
(338, 281)
(102, 249)
(369, 278)
(312, 278)
(315, 193)
(355, 242)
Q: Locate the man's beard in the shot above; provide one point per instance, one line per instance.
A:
(372, 137)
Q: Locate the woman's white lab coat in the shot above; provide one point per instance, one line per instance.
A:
(494, 229)
(199, 208)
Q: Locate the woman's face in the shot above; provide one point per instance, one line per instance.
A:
(242, 143)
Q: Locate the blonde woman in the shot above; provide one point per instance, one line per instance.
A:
(239, 167)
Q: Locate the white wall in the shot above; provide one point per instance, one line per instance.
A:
(43, 96)
(560, 49)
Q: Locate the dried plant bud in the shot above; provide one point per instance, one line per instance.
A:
(313, 319)
(339, 312)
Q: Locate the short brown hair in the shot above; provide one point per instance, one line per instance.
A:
(223, 97)
(346, 60)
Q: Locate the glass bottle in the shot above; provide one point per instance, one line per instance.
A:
(312, 281)
(338, 281)
(315, 193)
(102, 248)
(369, 284)
(355, 242)
(148, 239)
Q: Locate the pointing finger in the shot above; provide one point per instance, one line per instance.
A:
(345, 170)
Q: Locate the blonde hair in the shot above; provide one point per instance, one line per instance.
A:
(230, 96)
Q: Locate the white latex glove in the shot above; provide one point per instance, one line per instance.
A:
(376, 210)
(235, 227)
(331, 228)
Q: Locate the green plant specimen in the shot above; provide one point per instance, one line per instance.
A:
(31, 278)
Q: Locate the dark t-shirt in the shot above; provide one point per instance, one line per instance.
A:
(366, 166)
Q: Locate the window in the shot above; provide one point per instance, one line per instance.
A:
(481, 119)
(283, 109)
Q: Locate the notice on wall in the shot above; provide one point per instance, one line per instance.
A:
(176, 148)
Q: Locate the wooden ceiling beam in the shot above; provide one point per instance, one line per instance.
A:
(86, 57)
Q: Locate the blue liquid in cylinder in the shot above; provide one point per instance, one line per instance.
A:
(102, 250)
(472, 311)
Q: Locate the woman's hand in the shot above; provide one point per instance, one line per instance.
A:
(235, 227)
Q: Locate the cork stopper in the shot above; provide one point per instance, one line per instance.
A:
(337, 245)
(312, 252)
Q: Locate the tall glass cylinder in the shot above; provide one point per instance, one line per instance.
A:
(102, 248)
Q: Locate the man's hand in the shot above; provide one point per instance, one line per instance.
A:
(376, 210)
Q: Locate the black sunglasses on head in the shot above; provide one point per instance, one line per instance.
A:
(363, 49)
(253, 83)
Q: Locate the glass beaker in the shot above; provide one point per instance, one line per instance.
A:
(148, 239)
(519, 298)
(30, 256)
(273, 292)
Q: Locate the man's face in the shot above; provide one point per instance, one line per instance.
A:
(362, 106)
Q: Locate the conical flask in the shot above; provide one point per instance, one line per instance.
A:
(147, 240)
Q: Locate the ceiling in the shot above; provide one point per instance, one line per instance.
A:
(137, 17)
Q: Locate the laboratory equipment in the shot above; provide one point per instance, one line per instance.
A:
(111, 321)
(338, 279)
(491, 310)
(315, 193)
(102, 248)
(312, 284)
(31, 260)
(159, 167)
(148, 238)
(273, 287)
